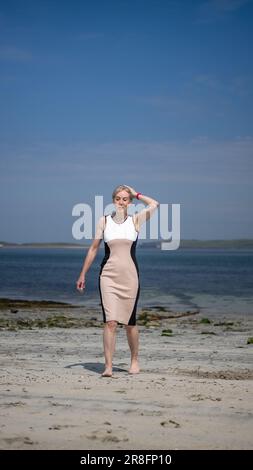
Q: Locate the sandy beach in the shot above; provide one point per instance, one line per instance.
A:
(194, 390)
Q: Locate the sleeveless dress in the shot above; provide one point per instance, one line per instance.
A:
(119, 286)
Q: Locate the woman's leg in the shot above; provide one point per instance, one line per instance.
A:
(133, 341)
(109, 338)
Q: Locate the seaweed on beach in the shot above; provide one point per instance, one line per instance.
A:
(206, 321)
(56, 321)
(167, 332)
(15, 304)
(147, 315)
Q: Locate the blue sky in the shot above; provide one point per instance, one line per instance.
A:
(156, 94)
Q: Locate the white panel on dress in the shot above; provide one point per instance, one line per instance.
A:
(125, 230)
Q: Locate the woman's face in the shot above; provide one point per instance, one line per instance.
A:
(122, 199)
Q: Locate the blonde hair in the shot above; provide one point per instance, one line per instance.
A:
(121, 188)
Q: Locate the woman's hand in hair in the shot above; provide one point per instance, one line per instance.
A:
(133, 192)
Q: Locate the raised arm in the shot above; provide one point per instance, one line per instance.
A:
(145, 213)
(91, 254)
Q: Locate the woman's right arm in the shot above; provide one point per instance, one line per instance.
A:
(91, 254)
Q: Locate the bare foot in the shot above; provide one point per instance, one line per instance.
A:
(107, 372)
(134, 368)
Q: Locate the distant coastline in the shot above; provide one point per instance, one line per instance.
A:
(237, 244)
(43, 245)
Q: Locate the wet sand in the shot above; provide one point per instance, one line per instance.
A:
(194, 390)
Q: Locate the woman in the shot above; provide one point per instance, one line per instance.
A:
(119, 275)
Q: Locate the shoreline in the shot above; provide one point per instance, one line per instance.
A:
(227, 245)
(215, 309)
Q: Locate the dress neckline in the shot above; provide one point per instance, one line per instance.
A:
(121, 223)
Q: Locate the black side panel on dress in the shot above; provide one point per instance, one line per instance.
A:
(132, 320)
(104, 261)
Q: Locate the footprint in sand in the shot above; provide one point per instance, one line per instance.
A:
(13, 403)
(58, 427)
(170, 423)
(200, 397)
(21, 440)
(106, 436)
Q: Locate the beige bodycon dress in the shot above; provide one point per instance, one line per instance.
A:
(119, 285)
(119, 275)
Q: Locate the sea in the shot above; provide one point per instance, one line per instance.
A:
(209, 280)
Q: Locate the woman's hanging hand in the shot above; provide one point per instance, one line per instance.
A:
(80, 284)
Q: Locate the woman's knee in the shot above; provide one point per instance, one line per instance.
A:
(131, 328)
(111, 325)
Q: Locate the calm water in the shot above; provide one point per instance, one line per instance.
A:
(212, 280)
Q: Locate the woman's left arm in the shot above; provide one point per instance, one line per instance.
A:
(145, 213)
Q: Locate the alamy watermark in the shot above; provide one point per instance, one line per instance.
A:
(85, 224)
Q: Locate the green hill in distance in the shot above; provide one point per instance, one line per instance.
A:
(43, 245)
